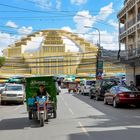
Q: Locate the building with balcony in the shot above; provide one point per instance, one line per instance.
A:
(129, 37)
(49, 52)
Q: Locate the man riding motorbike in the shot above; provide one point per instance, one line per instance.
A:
(42, 91)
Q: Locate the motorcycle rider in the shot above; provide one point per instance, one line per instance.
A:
(42, 91)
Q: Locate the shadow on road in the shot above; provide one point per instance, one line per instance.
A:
(113, 124)
(18, 123)
(111, 117)
(124, 134)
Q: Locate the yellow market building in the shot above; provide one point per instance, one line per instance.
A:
(50, 52)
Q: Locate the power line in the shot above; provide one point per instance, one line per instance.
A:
(50, 61)
(30, 10)
(58, 56)
(20, 8)
(25, 9)
(57, 66)
(12, 33)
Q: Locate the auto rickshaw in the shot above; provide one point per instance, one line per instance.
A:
(72, 86)
(39, 108)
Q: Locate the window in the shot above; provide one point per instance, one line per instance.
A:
(113, 90)
(14, 88)
(90, 83)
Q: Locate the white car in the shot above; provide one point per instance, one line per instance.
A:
(13, 93)
(86, 86)
(2, 87)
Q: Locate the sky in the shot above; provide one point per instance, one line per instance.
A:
(19, 18)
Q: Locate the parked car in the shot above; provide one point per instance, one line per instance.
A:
(13, 93)
(57, 88)
(2, 87)
(103, 85)
(119, 95)
(92, 91)
(85, 86)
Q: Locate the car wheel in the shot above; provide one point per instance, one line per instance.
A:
(54, 114)
(91, 97)
(22, 102)
(2, 103)
(115, 104)
(105, 101)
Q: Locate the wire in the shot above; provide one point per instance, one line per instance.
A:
(56, 66)
(53, 61)
(29, 1)
(58, 56)
(20, 8)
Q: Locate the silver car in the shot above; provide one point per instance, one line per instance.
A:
(2, 87)
(13, 93)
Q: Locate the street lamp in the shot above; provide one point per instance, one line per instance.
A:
(98, 32)
(99, 65)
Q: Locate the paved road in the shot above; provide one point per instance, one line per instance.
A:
(79, 118)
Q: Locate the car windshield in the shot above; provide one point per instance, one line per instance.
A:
(90, 83)
(14, 88)
(2, 85)
(123, 89)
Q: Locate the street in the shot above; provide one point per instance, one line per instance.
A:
(78, 118)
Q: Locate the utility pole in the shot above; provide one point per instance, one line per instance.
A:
(99, 64)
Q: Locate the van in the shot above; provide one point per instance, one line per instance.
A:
(85, 86)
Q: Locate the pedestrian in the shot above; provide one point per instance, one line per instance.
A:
(132, 86)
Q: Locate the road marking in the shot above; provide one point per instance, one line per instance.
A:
(83, 128)
(71, 111)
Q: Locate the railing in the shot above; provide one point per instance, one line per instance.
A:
(129, 54)
(123, 35)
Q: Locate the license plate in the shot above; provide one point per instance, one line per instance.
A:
(132, 96)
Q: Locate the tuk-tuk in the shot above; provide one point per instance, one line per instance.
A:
(72, 86)
(39, 108)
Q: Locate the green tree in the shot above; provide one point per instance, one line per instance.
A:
(2, 61)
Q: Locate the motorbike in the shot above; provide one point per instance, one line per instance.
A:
(39, 108)
(42, 111)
